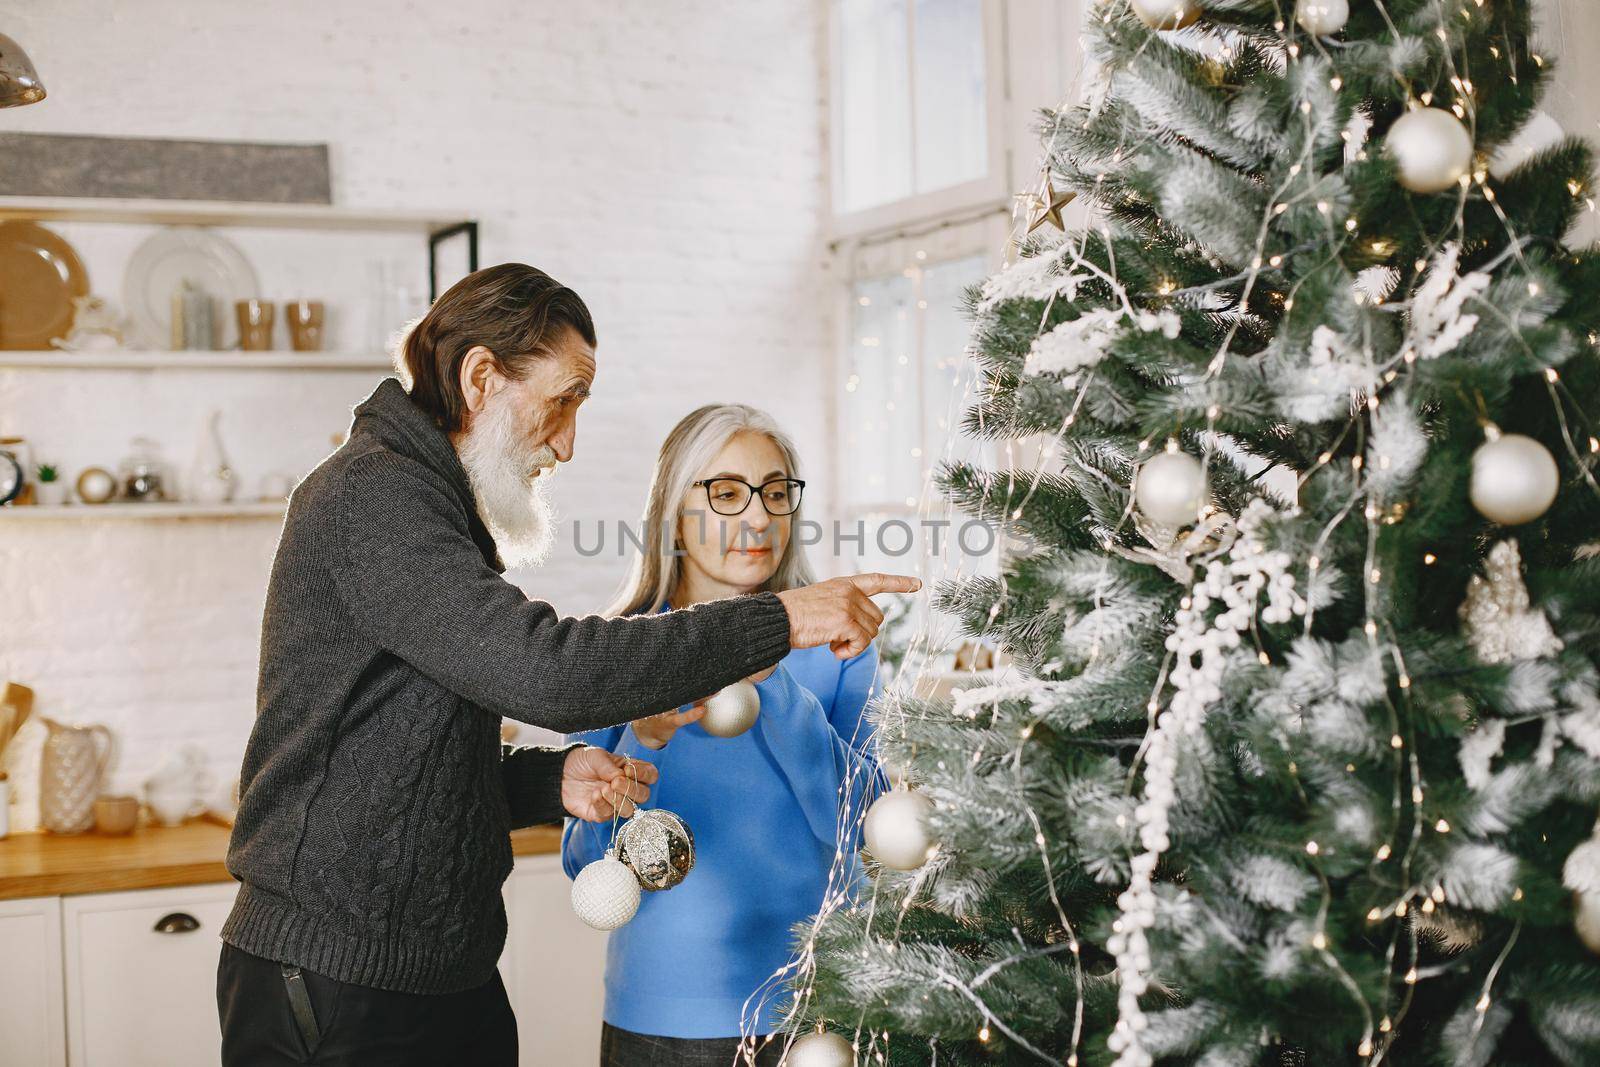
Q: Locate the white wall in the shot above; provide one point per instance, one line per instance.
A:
(663, 159)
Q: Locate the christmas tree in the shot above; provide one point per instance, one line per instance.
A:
(1301, 762)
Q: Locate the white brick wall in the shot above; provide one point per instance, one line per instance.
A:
(664, 159)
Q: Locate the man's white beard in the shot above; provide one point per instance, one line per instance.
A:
(499, 461)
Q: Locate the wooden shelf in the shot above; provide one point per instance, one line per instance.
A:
(223, 213)
(124, 359)
(40, 864)
(94, 512)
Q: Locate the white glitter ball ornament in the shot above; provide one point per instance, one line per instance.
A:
(606, 894)
(1431, 148)
(1171, 488)
(731, 711)
(896, 830)
(1514, 479)
(1322, 17)
(822, 1049)
(1167, 14)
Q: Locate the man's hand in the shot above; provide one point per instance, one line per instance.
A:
(597, 785)
(654, 731)
(839, 612)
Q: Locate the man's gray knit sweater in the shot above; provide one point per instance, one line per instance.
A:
(376, 800)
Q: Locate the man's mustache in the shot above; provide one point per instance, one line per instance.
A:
(543, 458)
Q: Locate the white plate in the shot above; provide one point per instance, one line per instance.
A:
(159, 267)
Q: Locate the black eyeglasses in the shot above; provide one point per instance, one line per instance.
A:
(730, 496)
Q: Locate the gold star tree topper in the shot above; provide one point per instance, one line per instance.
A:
(1046, 205)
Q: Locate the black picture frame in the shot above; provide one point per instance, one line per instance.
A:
(448, 242)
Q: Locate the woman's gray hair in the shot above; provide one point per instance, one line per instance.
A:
(691, 445)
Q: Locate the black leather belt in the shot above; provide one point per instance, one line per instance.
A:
(300, 1004)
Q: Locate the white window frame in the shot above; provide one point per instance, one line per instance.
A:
(981, 233)
(992, 190)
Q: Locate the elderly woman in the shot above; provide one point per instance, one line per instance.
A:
(774, 809)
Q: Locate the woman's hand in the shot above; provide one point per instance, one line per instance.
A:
(654, 731)
(597, 785)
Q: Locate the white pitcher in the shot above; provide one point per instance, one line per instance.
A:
(70, 770)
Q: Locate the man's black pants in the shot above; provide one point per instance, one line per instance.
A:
(273, 1015)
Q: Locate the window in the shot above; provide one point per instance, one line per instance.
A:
(906, 386)
(920, 210)
(906, 381)
(912, 101)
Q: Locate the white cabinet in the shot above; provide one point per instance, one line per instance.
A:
(129, 979)
(553, 968)
(32, 1023)
(141, 976)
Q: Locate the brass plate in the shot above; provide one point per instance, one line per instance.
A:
(39, 275)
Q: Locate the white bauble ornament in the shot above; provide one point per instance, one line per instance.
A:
(896, 830)
(731, 711)
(1167, 14)
(606, 894)
(1514, 479)
(1581, 873)
(1171, 488)
(1587, 920)
(1538, 133)
(898, 772)
(822, 1049)
(1431, 148)
(1322, 17)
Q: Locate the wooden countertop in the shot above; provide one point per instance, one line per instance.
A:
(44, 865)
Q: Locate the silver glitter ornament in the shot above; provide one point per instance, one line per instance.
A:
(658, 846)
(1498, 618)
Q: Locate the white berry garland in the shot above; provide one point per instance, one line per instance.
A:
(1200, 643)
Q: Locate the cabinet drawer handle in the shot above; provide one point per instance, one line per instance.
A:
(179, 922)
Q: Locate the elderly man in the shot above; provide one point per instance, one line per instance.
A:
(375, 798)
